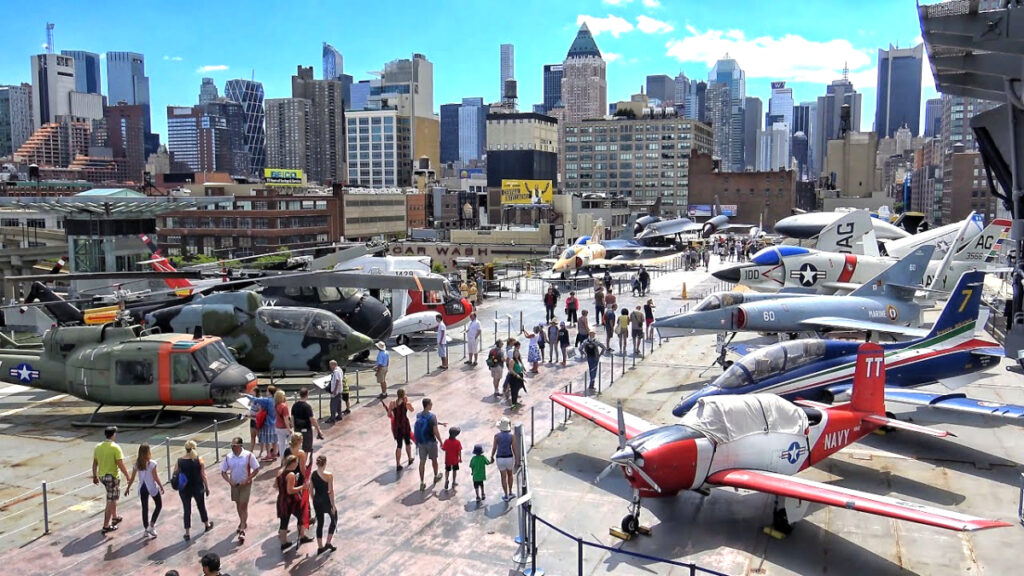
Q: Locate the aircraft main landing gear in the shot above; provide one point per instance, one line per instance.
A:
(787, 512)
(630, 525)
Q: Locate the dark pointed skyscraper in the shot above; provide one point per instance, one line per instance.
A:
(249, 94)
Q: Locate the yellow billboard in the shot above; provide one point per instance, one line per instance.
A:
(283, 177)
(527, 192)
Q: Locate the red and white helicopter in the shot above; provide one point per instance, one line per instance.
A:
(756, 442)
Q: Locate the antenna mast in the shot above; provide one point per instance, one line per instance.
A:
(49, 37)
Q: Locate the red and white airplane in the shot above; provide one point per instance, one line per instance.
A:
(756, 442)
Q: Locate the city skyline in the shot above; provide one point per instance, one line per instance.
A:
(637, 38)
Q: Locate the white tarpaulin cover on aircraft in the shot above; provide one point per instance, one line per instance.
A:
(728, 418)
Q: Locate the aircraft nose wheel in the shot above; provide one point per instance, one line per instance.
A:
(630, 524)
(402, 340)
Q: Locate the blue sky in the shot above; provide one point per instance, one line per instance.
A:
(804, 43)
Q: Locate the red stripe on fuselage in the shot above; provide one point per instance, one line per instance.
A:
(848, 268)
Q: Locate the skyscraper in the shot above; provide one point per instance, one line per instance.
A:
(752, 109)
(334, 63)
(774, 148)
(899, 90)
(249, 94)
(933, 118)
(87, 71)
(188, 151)
(780, 105)
(53, 81)
(663, 88)
(719, 115)
(288, 133)
(728, 72)
(449, 133)
(696, 103)
(391, 165)
(826, 127)
(208, 91)
(326, 125)
(681, 93)
(472, 129)
(584, 85)
(508, 65)
(805, 115)
(126, 138)
(360, 96)
(552, 86)
(127, 82)
(15, 117)
(407, 84)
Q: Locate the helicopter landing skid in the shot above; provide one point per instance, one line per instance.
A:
(91, 422)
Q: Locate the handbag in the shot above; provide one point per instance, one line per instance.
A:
(261, 418)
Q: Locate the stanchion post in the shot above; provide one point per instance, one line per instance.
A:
(599, 386)
(167, 448)
(532, 422)
(611, 372)
(216, 440)
(46, 511)
(319, 404)
(552, 415)
(579, 553)
(358, 387)
(406, 358)
(428, 361)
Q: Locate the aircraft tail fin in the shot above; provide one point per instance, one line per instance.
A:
(986, 246)
(898, 281)
(598, 235)
(962, 306)
(868, 393)
(852, 233)
(160, 263)
(627, 230)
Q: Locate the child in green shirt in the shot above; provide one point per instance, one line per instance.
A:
(478, 465)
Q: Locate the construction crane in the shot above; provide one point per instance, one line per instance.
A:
(49, 37)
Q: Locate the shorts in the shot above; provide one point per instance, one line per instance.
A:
(427, 451)
(382, 375)
(649, 321)
(403, 440)
(442, 350)
(505, 464)
(478, 484)
(451, 467)
(241, 493)
(113, 485)
(496, 372)
(344, 396)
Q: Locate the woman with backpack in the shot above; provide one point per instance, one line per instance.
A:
(516, 379)
(496, 364)
(189, 479)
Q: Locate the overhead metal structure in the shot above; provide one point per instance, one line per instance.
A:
(110, 206)
(976, 49)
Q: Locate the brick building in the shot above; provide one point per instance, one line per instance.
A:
(757, 195)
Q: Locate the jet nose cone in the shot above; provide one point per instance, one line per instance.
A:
(732, 274)
(686, 404)
(357, 342)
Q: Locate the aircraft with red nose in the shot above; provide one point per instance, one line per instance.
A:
(757, 442)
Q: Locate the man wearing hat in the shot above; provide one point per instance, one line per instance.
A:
(107, 460)
(380, 369)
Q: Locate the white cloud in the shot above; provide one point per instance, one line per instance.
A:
(614, 25)
(173, 58)
(649, 25)
(611, 56)
(211, 68)
(652, 3)
(789, 57)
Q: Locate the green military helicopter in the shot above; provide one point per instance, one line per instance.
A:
(266, 338)
(263, 338)
(123, 366)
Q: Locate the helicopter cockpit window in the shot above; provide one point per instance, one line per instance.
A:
(432, 297)
(452, 292)
(285, 318)
(213, 359)
(184, 370)
(326, 325)
(293, 291)
(347, 293)
(329, 294)
(133, 372)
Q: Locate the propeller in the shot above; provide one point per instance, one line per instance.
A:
(626, 456)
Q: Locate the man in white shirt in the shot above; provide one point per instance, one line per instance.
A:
(238, 469)
(442, 342)
(473, 333)
(336, 388)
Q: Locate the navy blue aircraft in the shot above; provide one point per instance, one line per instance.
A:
(819, 370)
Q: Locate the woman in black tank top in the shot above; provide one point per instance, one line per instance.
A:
(323, 503)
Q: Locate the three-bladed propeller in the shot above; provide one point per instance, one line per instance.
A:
(626, 456)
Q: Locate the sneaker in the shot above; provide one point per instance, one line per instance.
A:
(446, 486)
(398, 468)
(422, 486)
(346, 412)
(438, 478)
(286, 546)
(151, 532)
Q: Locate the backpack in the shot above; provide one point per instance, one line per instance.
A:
(421, 430)
(493, 358)
(179, 481)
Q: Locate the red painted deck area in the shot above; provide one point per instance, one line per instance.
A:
(386, 524)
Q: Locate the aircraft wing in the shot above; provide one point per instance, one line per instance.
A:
(656, 261)
(602, 414)
(956, 402)
(802, 489)
(337, 279)
(123, 276)
(670, 228)
(863, 325)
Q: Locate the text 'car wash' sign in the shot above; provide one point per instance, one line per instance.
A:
(283, 177)
(527, 192)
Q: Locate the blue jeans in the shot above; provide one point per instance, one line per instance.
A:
(592, 365)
